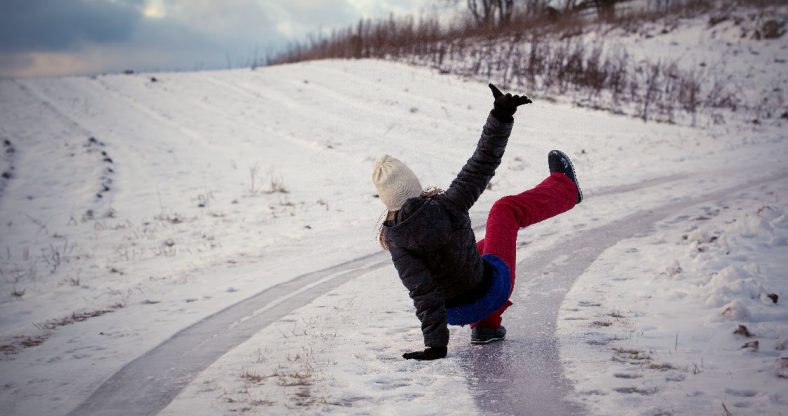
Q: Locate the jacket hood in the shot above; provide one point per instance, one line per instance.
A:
(420, 225)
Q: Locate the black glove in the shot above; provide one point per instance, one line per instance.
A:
(431, 353)
(506, 105)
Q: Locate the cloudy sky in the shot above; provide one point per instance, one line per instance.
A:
(61, 37)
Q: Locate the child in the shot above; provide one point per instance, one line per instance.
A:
(451, 278)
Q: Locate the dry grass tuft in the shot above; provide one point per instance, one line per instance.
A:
(76, 317)
(253, 377)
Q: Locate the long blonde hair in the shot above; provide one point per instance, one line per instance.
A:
(387, 215)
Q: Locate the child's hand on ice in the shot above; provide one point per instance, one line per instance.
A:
(431, 353)
(506, 105)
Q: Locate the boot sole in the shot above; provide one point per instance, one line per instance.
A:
(574, 175)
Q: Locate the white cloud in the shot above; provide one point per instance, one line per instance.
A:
(154, 9)
(378, 8)
(170, 34)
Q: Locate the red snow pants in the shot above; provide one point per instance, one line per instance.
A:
(554, 195)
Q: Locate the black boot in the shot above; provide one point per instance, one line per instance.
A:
(558, 161)
(487, 335)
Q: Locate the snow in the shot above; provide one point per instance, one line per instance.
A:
(341, 354)
(215, 186)
(663, 335)
(721, 52)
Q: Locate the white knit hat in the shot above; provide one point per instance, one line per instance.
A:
(395, 182)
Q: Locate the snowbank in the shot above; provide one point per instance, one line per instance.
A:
(688, 318)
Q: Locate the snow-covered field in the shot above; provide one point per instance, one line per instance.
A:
(136, 205)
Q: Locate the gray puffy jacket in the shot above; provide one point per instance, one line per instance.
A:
(432, 244)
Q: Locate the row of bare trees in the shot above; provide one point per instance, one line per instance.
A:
(485, 18)
(540, 54)
(588, 75)
(502, 13)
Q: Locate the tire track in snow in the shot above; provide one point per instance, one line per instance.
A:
(333, 110)
(148, 112)
(149, 383)
(416, 95)
(524, 375)
(310, 146)
(366, 100)
(275, 97)
(52, 106)
(195, 133)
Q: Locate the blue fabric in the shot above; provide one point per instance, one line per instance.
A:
(496, 296)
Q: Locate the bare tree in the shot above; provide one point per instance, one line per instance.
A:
(483, 11)
(505, 10)
(490, 13)
(535, 8)
(606, 9)
(570, 4)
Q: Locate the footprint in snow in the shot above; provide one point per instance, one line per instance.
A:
(588, 304)
(106, 179)
(676, 378)
(627, 375)
(636, 390)
(349, 401)
(387, 383)
(9, 157)
(741, 393)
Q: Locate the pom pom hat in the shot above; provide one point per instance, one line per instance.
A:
(395, 182)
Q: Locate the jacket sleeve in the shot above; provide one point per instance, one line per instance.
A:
(480, 168)
(427, 297)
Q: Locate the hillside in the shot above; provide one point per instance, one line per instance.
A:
(135, 206)
(664, 61)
